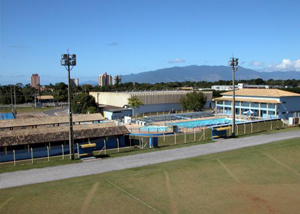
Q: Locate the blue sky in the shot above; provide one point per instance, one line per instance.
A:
(132, 36)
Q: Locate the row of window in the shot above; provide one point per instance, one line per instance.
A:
(247, 104)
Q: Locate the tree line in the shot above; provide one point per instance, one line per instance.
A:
(27, 94)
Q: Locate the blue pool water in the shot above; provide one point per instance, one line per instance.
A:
(199, 123)
(154, 128)
(6, 116)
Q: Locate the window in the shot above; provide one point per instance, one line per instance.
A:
(271, 105)
(227, 103)
(245, 104)
(254, 105)
(263, 105)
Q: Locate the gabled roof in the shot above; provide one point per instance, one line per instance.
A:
(56, 134)
(262, 93)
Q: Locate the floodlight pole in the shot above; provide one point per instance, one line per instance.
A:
(68, 61)
(71, 140)
(233, 102)
(234, 64)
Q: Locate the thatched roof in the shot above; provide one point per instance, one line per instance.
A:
(48, 120)
(54, 134)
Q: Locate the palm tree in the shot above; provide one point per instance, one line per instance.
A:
(134, 103)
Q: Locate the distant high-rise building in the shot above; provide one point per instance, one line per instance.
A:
(74, 82)
(117, 80)
(35, 81)
(104, 79)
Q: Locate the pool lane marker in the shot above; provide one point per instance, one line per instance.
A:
(147, 205)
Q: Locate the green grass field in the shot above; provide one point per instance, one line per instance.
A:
(260, 179)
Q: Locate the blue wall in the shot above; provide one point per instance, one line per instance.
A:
(22, 154)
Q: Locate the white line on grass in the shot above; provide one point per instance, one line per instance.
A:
(229, 171)
(132, 196)
(282, 164)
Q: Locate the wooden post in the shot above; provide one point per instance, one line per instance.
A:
(244, 128)
(251, 128)
(204, 130)
(118, 144)
(175, 137)
(77, 150)
(48, 152)
(129, 141)
(14, 157)
(31, 155)
(184, 137)
(237, 130)
(28, 149)
(105, 146)
(164, 136)
(258, 126)
(194, 135)
(271, 125)
(5, 150)
(62, 151)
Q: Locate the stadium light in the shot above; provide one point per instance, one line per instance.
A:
(234, 62)
(69, 61)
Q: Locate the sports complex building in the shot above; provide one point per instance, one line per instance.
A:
(154, 101)
(263, 103)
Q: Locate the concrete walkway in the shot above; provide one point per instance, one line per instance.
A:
(20, 178)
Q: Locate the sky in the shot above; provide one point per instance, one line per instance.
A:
(132, 36)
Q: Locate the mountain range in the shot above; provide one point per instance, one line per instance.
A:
(205, 73)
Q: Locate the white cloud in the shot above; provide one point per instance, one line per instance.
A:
(286, 65)
(256, 64)
(177, 61)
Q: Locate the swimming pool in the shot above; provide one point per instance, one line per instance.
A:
(200, 123)
(154, 129)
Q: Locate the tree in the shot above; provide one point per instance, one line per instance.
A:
(84, 103)
(193, 101)
(60, 91)
(134, 103)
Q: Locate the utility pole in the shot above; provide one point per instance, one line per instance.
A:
(11, 100)
(234, 64)
(15, 99)
(68, 61)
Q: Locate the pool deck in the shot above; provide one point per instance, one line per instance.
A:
(187, 120)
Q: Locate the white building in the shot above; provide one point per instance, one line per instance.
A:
(74, 82)
(117, 80)
(154, 101)
(104, 79)
(264, 103)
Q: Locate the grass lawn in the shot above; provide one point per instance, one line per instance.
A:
(27, 109)
(260, 179)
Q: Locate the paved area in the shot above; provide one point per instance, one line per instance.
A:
(57, 111)
(33, 176)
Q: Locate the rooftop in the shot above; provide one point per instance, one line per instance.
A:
(262, 93)
(48, 120)
(55, 134)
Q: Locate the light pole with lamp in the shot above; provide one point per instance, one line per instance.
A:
(234, 64)
(69, 61)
